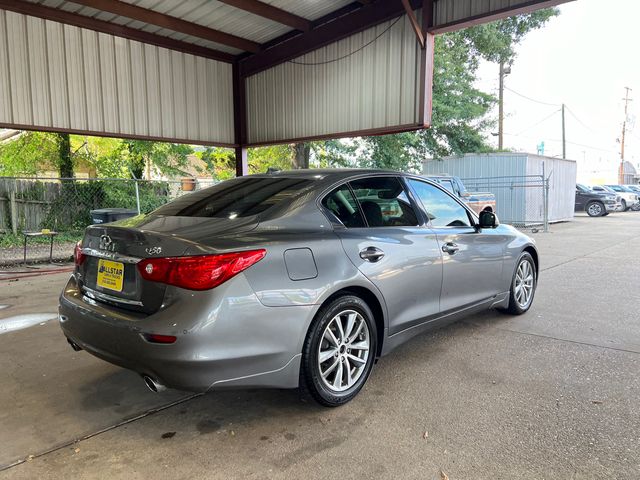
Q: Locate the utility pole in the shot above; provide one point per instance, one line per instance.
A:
(564, 140)
(501, 105)
(624, 131)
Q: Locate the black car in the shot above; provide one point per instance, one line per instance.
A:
(596, 204)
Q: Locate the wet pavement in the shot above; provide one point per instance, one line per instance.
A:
(550, 394)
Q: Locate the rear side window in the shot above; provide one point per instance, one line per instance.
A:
(236, 198)
(384, 202)
(343, 205)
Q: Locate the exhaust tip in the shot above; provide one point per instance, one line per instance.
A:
(152, 384)
(74, 345)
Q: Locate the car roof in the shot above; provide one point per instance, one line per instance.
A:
(333, 174)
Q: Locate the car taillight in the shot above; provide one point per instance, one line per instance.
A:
(201, 272)
(78, 256)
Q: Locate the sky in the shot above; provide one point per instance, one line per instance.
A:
(583, 58)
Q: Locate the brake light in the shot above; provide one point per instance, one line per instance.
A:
(78, 256)
(201, 272)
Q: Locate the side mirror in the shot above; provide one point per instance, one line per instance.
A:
(488, 220)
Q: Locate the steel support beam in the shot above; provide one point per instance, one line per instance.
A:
(414, 22)
(240, 122)
(272, 13)
(158, 19)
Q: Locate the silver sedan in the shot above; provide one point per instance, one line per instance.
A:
(291, 279)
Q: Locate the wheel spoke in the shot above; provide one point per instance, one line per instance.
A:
(337, 380)
(359, 361)
(363, 345)
(331, 368)
(338, 322)
(347, 367)
(330, 336)
(327, 354)
(351, 320)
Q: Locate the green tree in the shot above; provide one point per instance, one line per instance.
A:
(167, 158)
(28, 153)
(64, 159)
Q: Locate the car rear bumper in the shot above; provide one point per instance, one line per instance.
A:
(224, 339)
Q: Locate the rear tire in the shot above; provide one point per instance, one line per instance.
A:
(595, 209)
(339, 351)
(523, 285)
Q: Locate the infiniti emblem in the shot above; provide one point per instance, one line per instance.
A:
(106, 243)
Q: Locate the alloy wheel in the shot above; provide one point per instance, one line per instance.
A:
(524, 283)
(344, 350)
(595, 209)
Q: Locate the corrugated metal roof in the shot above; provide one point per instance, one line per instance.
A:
(211, 14)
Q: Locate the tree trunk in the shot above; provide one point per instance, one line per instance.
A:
(65, 163)
(302, 153)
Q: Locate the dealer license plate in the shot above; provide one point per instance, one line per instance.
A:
(110, 275)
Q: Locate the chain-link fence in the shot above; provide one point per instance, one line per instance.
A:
(64, 204)
(521, 201)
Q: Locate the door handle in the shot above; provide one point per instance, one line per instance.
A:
(450, 248)
(371, 254)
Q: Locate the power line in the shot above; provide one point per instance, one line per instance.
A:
(532, 99)
(557, 140)
(538, 122)
(350, 53)
(580, 121)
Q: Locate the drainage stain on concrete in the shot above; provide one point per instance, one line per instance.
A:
(18, 322)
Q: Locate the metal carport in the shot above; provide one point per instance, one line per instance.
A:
(234, 73)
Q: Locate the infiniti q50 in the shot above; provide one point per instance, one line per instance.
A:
(290, 279)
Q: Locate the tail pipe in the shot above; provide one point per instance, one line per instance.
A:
(153, 384)
(74, 345)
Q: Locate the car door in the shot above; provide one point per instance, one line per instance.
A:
(472, 258)
(388, 242)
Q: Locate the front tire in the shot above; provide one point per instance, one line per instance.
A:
(624, 205)
(523, 285)
(339, 351)
(595, 209)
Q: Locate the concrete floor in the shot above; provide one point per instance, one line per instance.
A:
(552, 394)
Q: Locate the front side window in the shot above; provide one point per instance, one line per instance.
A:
(442, 210)
(384, 202)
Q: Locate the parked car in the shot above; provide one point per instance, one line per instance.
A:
(626, 198)
(629, 196)
(633, 188)
(294, 279)
(596, 204)
(477, 201)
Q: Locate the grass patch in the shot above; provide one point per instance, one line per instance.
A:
(10, 240)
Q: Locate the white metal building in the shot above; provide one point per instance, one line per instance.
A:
(517, 181)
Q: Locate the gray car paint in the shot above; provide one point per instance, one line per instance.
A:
(249, 331)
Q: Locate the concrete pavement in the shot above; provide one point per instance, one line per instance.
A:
(550, 394)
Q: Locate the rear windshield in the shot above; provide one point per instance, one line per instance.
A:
(236, 198)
